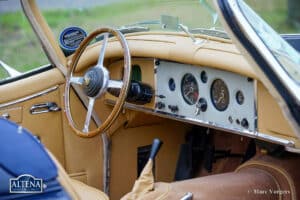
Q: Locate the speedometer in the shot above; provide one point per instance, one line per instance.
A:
(189, 89)
(219, 94)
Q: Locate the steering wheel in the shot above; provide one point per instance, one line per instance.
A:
(96, 81)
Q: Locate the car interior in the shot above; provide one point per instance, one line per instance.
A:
(150, 115)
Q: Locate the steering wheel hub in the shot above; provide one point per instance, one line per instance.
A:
(95, 81)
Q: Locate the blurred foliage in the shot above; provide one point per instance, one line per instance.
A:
(20, 48)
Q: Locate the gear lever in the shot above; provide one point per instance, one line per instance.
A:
(155, 148)
(145, 183)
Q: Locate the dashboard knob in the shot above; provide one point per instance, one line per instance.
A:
(245, 123)
(173, 108)
(201, 106)
(160, 105)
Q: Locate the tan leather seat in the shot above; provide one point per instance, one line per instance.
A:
(86, 192)
(76, 189)
(261, 178)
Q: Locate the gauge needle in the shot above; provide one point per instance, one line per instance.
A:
(191, 90)
(221, 97)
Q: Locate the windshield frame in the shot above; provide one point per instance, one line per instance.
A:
(271, 73)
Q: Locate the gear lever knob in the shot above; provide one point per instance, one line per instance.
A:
(155, 148)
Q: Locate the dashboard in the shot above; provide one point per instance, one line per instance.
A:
(213, 96)
(205, 95)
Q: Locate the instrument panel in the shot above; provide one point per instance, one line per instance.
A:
(206, 95)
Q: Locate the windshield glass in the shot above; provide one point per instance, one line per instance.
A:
(287, 56)
(154, 15)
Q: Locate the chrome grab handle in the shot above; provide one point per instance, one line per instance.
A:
(5, 115)
(44, 108)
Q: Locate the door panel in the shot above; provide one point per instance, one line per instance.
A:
(81, 157)
(17, 98)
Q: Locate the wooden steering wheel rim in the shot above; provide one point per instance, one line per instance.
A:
(123, 91)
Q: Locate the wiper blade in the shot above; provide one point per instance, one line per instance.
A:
(210, 32)
(147, 22)
(133, 29)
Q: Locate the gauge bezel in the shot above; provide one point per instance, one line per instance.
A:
(237, 94)
(182, 92)
(212, 97)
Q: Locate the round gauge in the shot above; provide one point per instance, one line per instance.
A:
(219, 94)
(240, 97)
(189, 89)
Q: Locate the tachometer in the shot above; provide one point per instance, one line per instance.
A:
(219, 94)
(189, 89)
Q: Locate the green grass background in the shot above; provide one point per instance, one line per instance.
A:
(20, 48)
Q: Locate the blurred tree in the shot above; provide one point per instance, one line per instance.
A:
(293, 12)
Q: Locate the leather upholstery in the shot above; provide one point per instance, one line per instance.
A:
(262, 178)
(86, 192)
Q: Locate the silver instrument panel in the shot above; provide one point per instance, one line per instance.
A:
(218, 97)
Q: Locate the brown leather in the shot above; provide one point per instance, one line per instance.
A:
(262, 178)
(224, 186)
(285, 170)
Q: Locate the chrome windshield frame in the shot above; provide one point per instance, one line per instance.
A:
(272, 74)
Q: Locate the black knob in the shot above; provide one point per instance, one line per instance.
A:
(202, 104)
(244, 123)
(160, 105)
(173, 108)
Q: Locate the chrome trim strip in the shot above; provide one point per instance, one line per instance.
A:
(243, 132)
(44, 92)
(292, 150)
(106, 141)
(255, 105)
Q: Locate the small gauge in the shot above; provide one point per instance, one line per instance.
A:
(203, 76)
(172, 85)
(189, 89)
(219, 94)
(239, 96)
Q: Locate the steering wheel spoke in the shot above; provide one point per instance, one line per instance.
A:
(115, 84)
(77, 80)
(103, 49)
(88, 115)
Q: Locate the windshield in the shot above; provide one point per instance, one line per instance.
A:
(287, 56)
(21, 50)
(154, 15)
